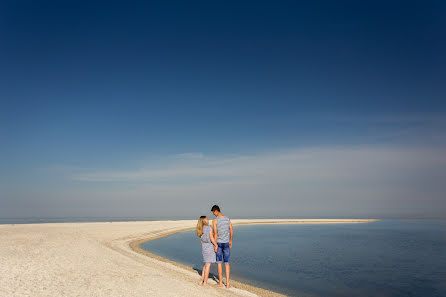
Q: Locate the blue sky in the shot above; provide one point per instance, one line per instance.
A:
(122, 104)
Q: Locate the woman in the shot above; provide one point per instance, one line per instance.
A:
(208, 247)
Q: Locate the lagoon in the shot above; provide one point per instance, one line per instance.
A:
(383, 258)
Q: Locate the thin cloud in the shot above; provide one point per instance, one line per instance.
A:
(334, 164)
(190, 156)
(334, 181)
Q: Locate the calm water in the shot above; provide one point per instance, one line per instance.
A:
(385, 258)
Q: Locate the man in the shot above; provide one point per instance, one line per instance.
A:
(223, 234)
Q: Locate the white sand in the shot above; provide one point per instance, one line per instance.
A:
(95, 259)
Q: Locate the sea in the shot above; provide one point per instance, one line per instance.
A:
(398, 258)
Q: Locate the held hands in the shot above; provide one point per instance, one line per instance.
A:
(230, 244)
(215, 248)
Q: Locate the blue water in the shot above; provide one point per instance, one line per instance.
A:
(385, 258)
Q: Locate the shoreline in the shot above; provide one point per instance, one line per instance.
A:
(319, 221)
(136, 247)
(103, 259)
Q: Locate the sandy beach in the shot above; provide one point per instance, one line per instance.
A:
(104, 259)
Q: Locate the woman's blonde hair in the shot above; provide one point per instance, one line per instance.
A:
(201, 223)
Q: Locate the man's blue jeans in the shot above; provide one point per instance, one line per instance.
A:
(223, 252)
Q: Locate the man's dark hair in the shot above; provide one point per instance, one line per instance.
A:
(214, 208)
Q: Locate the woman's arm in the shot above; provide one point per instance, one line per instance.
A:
(211, 236)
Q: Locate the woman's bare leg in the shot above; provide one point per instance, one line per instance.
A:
(202, 276)
(206, 269)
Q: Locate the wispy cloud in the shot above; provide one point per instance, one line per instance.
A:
(318, 164)
(319, 180)
(190, 156)
(329, 181)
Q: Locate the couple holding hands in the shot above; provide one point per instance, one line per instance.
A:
(216, 244)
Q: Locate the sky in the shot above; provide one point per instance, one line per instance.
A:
(267, 108)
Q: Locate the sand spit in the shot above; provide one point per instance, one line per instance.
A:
(104, 259)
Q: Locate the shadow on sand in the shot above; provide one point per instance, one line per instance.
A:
(211, 275)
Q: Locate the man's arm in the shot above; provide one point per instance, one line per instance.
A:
(214, 225)
(232, 234)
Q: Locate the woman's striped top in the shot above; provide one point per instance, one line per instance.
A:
(205, 237)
